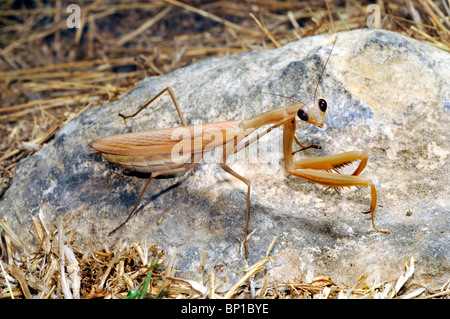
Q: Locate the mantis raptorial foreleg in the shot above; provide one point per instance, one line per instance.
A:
(334, 162)
(319, 169)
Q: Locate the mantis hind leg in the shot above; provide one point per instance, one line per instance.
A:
(191, 165)
(168, 90)
(135, 206)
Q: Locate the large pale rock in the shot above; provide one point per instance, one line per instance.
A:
(387, 94)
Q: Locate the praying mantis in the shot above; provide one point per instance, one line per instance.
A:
(157, 151)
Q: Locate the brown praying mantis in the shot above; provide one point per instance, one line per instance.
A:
(157, 151)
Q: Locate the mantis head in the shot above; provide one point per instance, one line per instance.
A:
(313, 112)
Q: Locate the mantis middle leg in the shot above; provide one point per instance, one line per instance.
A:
(227, 151)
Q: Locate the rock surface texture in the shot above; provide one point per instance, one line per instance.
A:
(387, 94)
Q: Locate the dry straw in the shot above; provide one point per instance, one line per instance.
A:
(58, 268)
(50, 74)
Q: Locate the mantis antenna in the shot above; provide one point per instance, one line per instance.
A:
(286, 97)
(320, 78)
(318, 82)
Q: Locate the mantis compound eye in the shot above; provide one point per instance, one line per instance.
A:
(302, 115)
(322, 105)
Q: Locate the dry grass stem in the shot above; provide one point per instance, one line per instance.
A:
(58, 268)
